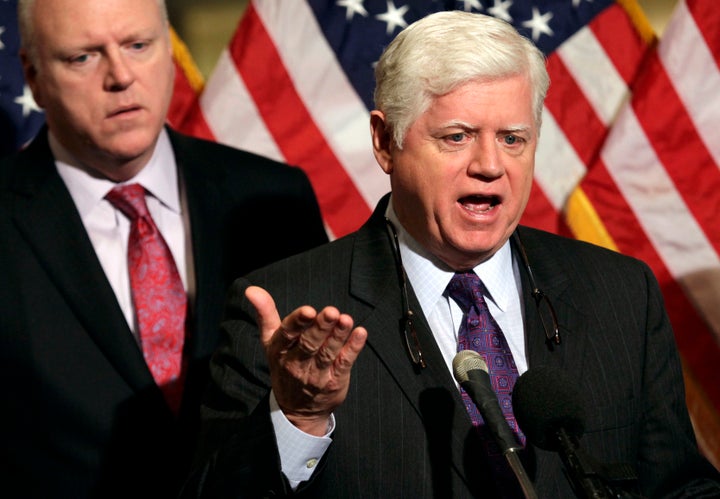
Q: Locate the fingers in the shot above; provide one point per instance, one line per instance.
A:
(337, 337)
(326, 338)
(268, 319)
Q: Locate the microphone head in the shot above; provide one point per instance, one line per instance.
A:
(464, 361)
(545, 400)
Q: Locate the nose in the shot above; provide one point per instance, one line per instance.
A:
(119, 75)
(485, 160)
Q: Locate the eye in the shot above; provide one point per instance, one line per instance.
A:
(456, 137)
(510, 139)
(79, 59)
(138, 46)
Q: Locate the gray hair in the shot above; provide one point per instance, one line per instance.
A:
(26, 26)
(440, 52)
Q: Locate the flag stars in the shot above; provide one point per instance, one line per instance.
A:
(352, 7)
(576, 3)
(469, 5)
(394, 17)
(2, 30)
(27, 102)
(501, 10)
(539, 24)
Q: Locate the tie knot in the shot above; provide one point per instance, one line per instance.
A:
(466, 289)
(129, 199)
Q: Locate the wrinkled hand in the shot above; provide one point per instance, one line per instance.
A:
(310, 355)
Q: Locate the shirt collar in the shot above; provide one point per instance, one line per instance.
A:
(430, 276)
(159, 177)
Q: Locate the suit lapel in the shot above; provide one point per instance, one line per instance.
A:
(431, 391)
(46, 216)
(205, 231)
(552, 278)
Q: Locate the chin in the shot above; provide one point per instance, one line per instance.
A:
(130, 145)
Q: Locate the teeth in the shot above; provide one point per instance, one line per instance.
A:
(477, 205)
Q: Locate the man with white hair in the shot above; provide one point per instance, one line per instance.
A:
(351, 393)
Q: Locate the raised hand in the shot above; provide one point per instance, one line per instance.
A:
(311, 355)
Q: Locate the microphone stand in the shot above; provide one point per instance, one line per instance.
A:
(516, 465)
(587, 477)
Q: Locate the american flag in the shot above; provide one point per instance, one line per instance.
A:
(628, 155)
(655, 186)
(20, 117)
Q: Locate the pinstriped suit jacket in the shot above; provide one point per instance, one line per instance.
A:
(405, 433)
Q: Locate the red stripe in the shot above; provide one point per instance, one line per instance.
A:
(541, 214)
(195, 123)
(622, 42)
(292, 126)
(678, 146)
(572, 111)
(182, 99)
(707, 17)
(695, 340)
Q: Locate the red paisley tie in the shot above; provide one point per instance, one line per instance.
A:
(157, 291)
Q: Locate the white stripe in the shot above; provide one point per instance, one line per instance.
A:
(558, 169)
(587, 61)
(646, 186)
(323, 86)
(694, 73)
(231, 114)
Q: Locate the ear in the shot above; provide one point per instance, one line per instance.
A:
(382, 141)
(31, 76)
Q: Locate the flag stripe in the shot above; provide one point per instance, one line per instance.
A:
(688, 56)
(623, 41)
(293, 129)
(589, 67)
(558, 167)
(569, 105)
(631, 160)
(328, 96)
(683, 156)
(705, 15)
(225, 91)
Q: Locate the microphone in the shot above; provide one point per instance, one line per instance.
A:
(471, 373)
(550, 410)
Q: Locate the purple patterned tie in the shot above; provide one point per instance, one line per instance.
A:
(157, 291)
(480, 332)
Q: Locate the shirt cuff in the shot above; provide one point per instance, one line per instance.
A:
(300, 452)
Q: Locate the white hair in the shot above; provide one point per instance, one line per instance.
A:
(440, 52)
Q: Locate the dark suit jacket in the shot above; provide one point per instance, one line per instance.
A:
(82, 416)
(403, 432)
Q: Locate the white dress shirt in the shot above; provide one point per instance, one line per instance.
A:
(109, 229)
(429, 278)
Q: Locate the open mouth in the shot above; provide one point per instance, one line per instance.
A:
(479, 204)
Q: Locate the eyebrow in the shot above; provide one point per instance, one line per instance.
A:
(515, 128)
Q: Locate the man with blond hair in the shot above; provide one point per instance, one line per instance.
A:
(118, 239)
